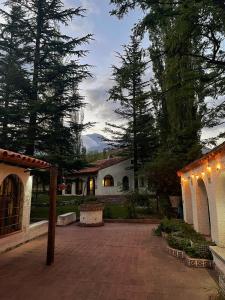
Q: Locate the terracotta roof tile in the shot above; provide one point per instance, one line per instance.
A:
(21, 160)
(100, 164)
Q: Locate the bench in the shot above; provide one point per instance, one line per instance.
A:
(66, 219)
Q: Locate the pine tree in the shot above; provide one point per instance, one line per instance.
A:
(39, 80)
(186, 53)
(14, 85)
(195, 31)
(137, 137)
(50, 79)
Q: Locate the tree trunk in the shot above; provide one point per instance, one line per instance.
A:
(135, 150)
(32, 129)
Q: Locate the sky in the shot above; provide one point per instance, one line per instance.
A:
(110, 34)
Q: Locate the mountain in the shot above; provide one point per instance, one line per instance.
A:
(94, 142)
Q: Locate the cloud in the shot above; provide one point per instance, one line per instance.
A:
(98, 109)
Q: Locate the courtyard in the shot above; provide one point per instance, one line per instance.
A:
(114, 262)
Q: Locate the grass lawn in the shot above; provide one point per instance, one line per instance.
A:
(39, 208)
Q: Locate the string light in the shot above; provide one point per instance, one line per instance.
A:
(218, 166)
(209, 169)
(203, 173)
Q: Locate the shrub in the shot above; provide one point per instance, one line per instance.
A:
(90, 199)
(178, 242)
(199, 250)
(169, 226)
(107, 213)
(157, 231)
(183, 237)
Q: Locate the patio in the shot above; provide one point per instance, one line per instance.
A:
(114, 262)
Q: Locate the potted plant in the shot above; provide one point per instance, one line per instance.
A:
(91, 213)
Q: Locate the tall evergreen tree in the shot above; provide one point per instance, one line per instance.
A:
(48, 63)
(194, 31)
(14, 85)
(41, 70)
(187, 55)
(137, 136)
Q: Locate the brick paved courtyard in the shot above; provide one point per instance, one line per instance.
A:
(114, 262)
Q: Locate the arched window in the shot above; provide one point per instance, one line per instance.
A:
(108, 181)
(125, 183)
(11, 202)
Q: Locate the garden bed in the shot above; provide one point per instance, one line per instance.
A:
(185, 243)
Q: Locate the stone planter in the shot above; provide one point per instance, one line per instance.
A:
(91, 214)
(189, 261)
(177, 253)
(175, 201)
(198, 262)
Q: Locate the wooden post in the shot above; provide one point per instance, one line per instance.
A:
(52, 215)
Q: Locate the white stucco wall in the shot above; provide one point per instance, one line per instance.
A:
(117, 171)
(214, 181)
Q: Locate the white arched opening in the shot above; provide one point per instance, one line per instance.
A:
(220, 210)
(202, 206)
(187, 203)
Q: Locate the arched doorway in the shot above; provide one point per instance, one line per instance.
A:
(11, 204)
(220, 210)
(188, 210)
(202, 205)
(125, 183)
(91, 186)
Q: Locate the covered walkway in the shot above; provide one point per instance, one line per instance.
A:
(114, 262)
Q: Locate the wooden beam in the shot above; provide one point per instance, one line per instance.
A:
(52, 215)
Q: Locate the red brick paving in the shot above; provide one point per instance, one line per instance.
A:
(114, 262)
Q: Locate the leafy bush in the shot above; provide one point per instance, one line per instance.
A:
(183, 237)
(177, 242)
(90, 199)
(157, 231)
(169, 226)
(199, 250)
(107, 213)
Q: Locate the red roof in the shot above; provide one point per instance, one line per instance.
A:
(100, 164)
(21, 160)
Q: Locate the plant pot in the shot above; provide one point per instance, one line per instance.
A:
(175, 201)
(91, 214)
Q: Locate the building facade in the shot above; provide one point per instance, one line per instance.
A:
(15, 199)
(203, 194)
(107, 177)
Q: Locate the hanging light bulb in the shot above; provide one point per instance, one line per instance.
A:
(209, 169)
(218, 166)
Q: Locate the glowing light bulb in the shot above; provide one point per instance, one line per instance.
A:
(209, 169)
(218, 166)
(203, 173)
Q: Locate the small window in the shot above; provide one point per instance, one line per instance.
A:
(108, 181)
